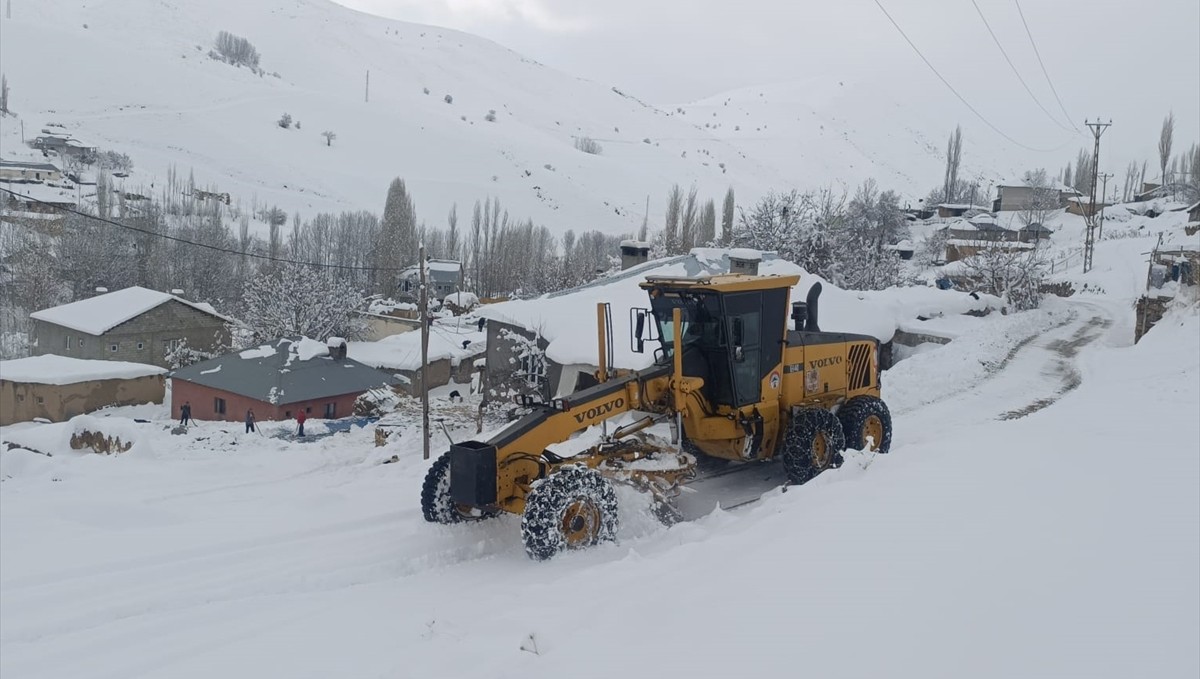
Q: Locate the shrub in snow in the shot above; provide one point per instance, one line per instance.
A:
(236, 50)
(646, 140)
(425, 90)
(181, 355)
(588, 145)
(491, 116)
(285, 121)
(99, 442)
(448, 99)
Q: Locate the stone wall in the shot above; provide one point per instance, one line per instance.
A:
(23, 401)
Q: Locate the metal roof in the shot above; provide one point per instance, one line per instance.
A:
(43, 167)
(283, 376)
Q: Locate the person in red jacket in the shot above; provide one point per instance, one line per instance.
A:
(300, 418)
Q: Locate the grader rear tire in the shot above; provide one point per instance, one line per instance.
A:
(866, 417)
(813, 443)
(573, 508)
(436, 503)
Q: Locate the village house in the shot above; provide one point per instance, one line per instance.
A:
(1082, 206)
(1019, 195)
(453, 351)
(58, 388)
(277, 381)
(444, 277)
(27, 171)
(951, 210)
(134, 324)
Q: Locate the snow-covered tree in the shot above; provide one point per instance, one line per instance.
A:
(329, 135)
(671, 240)
(1043, 199)
(953, 158)
(707, 234)
(1166, 138)
(397, 246)
(873, 220)
(302, 300)
(1011, 274)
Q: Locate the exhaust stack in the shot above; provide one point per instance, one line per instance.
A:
(810, 304)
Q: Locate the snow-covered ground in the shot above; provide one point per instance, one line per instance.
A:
(1036, 518)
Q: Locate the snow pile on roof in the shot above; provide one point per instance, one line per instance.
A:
(746, 254)
(307, 349)
(636, 244)
(97, 315)
(384, 306)
(262, 351)
(403, 351)
(51, 369)
(462, 300)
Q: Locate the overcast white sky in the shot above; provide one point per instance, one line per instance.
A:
(1131, 61)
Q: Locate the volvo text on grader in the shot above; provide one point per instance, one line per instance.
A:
(731, 378)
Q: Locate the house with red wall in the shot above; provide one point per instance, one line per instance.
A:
(276, 380)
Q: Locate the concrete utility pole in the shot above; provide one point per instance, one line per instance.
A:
(424, 352)
(1104, 177)
(1089, 244)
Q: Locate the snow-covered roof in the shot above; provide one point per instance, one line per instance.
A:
(564, 318)
(52, 369)
(638, 244)
(746, 254)
(26, 165)
(1023, 184)
(97, 315)
(403, 351)
(961, 206)
(285, 371)
(461, 299)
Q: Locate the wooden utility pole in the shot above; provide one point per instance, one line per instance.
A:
(424, 352)
(1089, 244)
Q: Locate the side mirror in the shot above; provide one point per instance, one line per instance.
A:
(638, 320)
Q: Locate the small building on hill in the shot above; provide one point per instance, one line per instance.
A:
(1019, 195)
(277, 381)
(134, 324)
(26, 171)
(445, 277)
(58, 388)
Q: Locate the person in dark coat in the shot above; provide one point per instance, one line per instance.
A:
(249, 421)
(185, 413)
(300, 418)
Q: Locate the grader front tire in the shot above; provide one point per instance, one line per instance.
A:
(573, 508)
(813, 443)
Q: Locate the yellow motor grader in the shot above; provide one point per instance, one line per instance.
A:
(729, 377)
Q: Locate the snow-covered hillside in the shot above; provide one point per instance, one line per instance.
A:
(134, 76)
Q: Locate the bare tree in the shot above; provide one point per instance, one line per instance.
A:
(1131, 185)
(452, 232)
(707, 233)
(727, 218)
(953, 158)
(329, 136)
(1043, 198)
(1165, 138)
(3, 94)
(671, 229)
(688, 222)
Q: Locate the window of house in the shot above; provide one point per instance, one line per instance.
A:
(219, 406)
(68, 347)
(171, 345)
(80, 342)
(308, 410)
(113, 347)
(141, 345)
(41, 400)
(330, 411)
(287, 414)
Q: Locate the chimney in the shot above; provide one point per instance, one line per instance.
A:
(744, 261)
(337, 347)
(634, 252)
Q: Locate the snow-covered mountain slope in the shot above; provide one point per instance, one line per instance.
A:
(134, 76)
(831, 131)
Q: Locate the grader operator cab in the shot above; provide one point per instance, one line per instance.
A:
(729, 376)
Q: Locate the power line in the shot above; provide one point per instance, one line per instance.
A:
(951, 87)
(1043, 65)
(1017, 73)
(206, 246)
